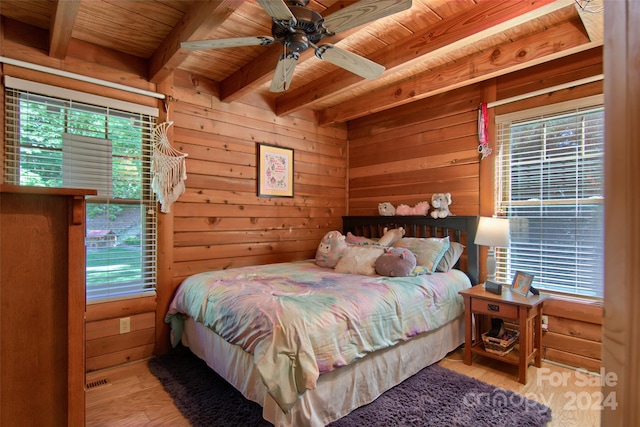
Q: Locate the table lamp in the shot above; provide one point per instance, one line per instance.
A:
(492, 232)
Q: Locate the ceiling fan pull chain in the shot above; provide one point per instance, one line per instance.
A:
(284, 70)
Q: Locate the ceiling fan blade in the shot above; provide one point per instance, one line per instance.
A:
(284, 72)
(222, 43)
(362, 12)
(357, 64)
(277, 9)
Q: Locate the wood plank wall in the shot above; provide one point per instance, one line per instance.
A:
(220, 222)
(406, 154)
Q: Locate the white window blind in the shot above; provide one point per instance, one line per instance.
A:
(86, 163)
(549, 183)
(55, 142)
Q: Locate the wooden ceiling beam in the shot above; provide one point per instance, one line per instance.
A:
(196, 24)
(409, 55)
(553, 43)
(62, 20)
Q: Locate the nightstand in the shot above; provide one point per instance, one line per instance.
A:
(525, 311)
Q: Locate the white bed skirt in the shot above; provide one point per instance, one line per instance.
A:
(337, 392)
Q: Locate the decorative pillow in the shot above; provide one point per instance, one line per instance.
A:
(395, 262)
(451, 256)
(428, 251)
(357, 259)
(330, 249)
(360, 240)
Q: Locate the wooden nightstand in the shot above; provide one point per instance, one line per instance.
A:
(526, 311)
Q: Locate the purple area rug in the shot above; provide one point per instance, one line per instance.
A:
(435, 396)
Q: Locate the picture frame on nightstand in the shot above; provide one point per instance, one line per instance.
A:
(522, 283)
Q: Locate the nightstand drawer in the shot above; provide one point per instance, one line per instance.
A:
(494, 308)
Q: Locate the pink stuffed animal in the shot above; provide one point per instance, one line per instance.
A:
(421, 208)
(330, 249)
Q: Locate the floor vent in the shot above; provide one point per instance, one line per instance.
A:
(97, 383)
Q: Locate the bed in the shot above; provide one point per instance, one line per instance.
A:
(310, 343)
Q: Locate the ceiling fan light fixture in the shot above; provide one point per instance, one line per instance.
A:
(302, 3)
(306, 27)
(297, 42)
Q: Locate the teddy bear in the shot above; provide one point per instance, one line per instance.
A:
(440, 203)
(386, 209)
(389, 237)
(330, 249)
(421, 208)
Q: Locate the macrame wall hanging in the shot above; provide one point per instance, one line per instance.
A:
(483, 131)
(168, 168)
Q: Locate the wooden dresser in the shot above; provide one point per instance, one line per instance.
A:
(42, 306)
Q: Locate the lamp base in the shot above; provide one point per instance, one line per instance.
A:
(491, 265)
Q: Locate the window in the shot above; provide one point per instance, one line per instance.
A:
(550, 173)
(62, 142)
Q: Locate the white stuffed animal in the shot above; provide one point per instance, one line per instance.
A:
(386, 209)
(389, 237)
(440, 203)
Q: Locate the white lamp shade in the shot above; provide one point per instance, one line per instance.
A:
(492, 232)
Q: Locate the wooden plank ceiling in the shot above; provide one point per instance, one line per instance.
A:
(435, 46)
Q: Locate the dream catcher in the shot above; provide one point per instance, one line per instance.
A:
(168, 168)
(483, 131)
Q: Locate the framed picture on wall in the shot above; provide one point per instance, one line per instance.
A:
(522, 283)
(275, 171)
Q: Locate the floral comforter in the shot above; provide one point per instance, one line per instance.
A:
(300, 320)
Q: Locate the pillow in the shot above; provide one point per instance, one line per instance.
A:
(330, 249)
(359, 240)
(357, 259)
(451, 256)
(395, 262)
(428, 251)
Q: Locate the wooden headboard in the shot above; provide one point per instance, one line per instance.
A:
(460, 229)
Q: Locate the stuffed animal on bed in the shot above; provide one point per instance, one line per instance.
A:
(386, 209)
(396, 262)
(440, 203)
(330, 249)
(359, 240)
(421, 208)
(391, 236)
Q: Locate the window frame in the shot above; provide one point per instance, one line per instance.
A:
(503, 186)
(146, 201)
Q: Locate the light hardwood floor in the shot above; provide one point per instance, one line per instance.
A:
(134, 397)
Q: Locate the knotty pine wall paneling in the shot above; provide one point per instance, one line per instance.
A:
(220, 222)
(405, 155)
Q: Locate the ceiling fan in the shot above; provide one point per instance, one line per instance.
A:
(298, 28)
